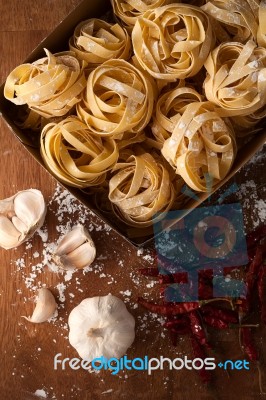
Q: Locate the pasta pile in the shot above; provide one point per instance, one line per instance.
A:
(75, 155)
(202, 145)
(96, 41)
(118, 98)
(140, 189)
(142, 104)
(50, 86)
(172, 42)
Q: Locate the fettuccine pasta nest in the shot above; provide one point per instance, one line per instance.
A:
(96, 41)
(50, 86)
(172, 42)
(202, 146)
(130, 10)
(233, 20)
(118, 98)
(76, 156)
(140, 188)
(236, 78)
(169, 108)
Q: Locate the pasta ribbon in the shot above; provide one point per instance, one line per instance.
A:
(28, 119)
(118, 98)
(96, 41)
(130, 10)
(261, 34)
(169, 108)
(233, 20)
(245, 125)
(202, 146)
(236, 78)
(172, 42)
(76, 156)
(130, 138)
(50, 86)
(139, 189)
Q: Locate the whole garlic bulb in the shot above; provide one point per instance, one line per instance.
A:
(20, 216)
(76, 249)
(101, 326)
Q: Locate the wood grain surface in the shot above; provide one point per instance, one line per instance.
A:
(28, 350)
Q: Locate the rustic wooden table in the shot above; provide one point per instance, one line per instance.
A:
(28, 350)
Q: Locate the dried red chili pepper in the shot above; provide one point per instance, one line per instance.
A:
(182, 320)
(225, 315)
(199, 352)
(176, 325)
(253, 271)
(262, 291)
(170, 308)
(215, 322)
(255, 236)
(197, 328)
(175, 308)
(248, 345)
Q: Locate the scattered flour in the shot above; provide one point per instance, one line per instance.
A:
(41, 393)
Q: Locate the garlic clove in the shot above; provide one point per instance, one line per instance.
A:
(45, 307)
(25, 212)
(9, 235)
(76, 249)
(6, 206)
(81, 257)
(73, 239)
(19, 225)
(29, 207)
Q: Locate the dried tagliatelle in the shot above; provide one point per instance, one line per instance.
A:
(96, 41)
(233, 20)
(118, 98)
(140, 188)
(50, 86)
(261, 34)
(236, 78)
(173, 41)
(129, 10)
(76, 156)
(245, 125)
(129, 138)
(202, 146)
(169, 108)
(28, 119)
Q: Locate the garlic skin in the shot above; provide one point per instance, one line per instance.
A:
(45, 307)
(101, 326)
(20, 216)
(75, 250)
